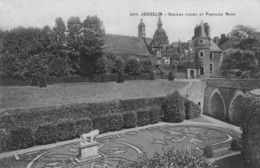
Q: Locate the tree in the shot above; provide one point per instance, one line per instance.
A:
(132, 66)
(47, 37)
(74, 30)
(147, 65)
(241, 60)
(118, 65)
(91, 47)
(102, 66)
(59, 30)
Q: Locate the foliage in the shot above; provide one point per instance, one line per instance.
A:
(250, 131)
(236, 144)
(132, 66)
(45, 133)
(59, 30)
(34, 81)
(147, 65)
(152, 77)
(101, 123)
(143, 117)
(83, 125)
(192, 110)
(242, 60)
(208, 151)
(120, 77)
(103, 65)
(173, 108)
(130, 119)
(118, 65)
(154, 115)
(172, 159)
(91, 47)
(116, 122)
(42, 81)
(170, 76)
(66, 129)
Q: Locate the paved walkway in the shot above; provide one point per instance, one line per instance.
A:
(126, 145)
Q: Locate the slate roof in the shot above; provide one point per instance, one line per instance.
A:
(124, 44)
(214, 46)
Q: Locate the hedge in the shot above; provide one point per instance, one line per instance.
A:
(192, 110)
(143, 117)
(116, 122)
(173, 108)
(251, 131)
(43, 125)
(27, 81)
(130, 119)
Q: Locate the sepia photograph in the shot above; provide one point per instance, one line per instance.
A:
(129, 84)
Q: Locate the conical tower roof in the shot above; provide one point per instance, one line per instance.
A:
(141, 24)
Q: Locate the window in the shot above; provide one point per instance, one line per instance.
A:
(201, 41)
(201, 54)
(211, 56)
(210, 68)
(201, 70)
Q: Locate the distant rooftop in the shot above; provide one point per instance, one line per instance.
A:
(124, 44)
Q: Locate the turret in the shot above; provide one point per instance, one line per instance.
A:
(141, 30)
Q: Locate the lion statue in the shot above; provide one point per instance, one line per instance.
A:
(89, 137)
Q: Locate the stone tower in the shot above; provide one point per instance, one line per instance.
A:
(160, 37)
(141, 30)
(202, 45)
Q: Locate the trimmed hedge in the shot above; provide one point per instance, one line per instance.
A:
(83, 125)
(19, 138)
(66, 130)
(143, 117)
(101, 123)
(208, 152)
(130, 119)
(50, 124)
(173, 108)
(46, 133)
(192, 110)
(116, 122)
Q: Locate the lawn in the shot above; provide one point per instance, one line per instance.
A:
(26, 96)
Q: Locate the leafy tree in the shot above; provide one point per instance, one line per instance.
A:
(74, 30)
(132, 66)
(242, 60)
(147, 65)
(102, 66)
(59, 31)
(118, 65)
(91, 47)
(47, 37)
(8, 65)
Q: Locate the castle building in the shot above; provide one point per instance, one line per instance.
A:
(203, 57)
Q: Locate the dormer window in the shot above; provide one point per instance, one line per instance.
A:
(201, 42)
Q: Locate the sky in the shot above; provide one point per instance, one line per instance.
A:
(117, 15)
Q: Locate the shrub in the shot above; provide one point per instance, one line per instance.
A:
(120, 77)
(6, 121)
(236, 145)
(83, 125)
(101, 123)
(130, 119)
(192, 110)
(46, 133)
(173, 108)
(154, 115)
(34, 81)
(152, 77)
(132, 104)
(142, 117)
(4, 140)
(170, 158)
(208, 151)
(20, 137)
(170, 76)
(65, 130)
(42, 81)
(116, 122)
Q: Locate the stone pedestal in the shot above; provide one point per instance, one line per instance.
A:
(87, 151)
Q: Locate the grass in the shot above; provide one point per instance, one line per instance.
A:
(27, 96)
